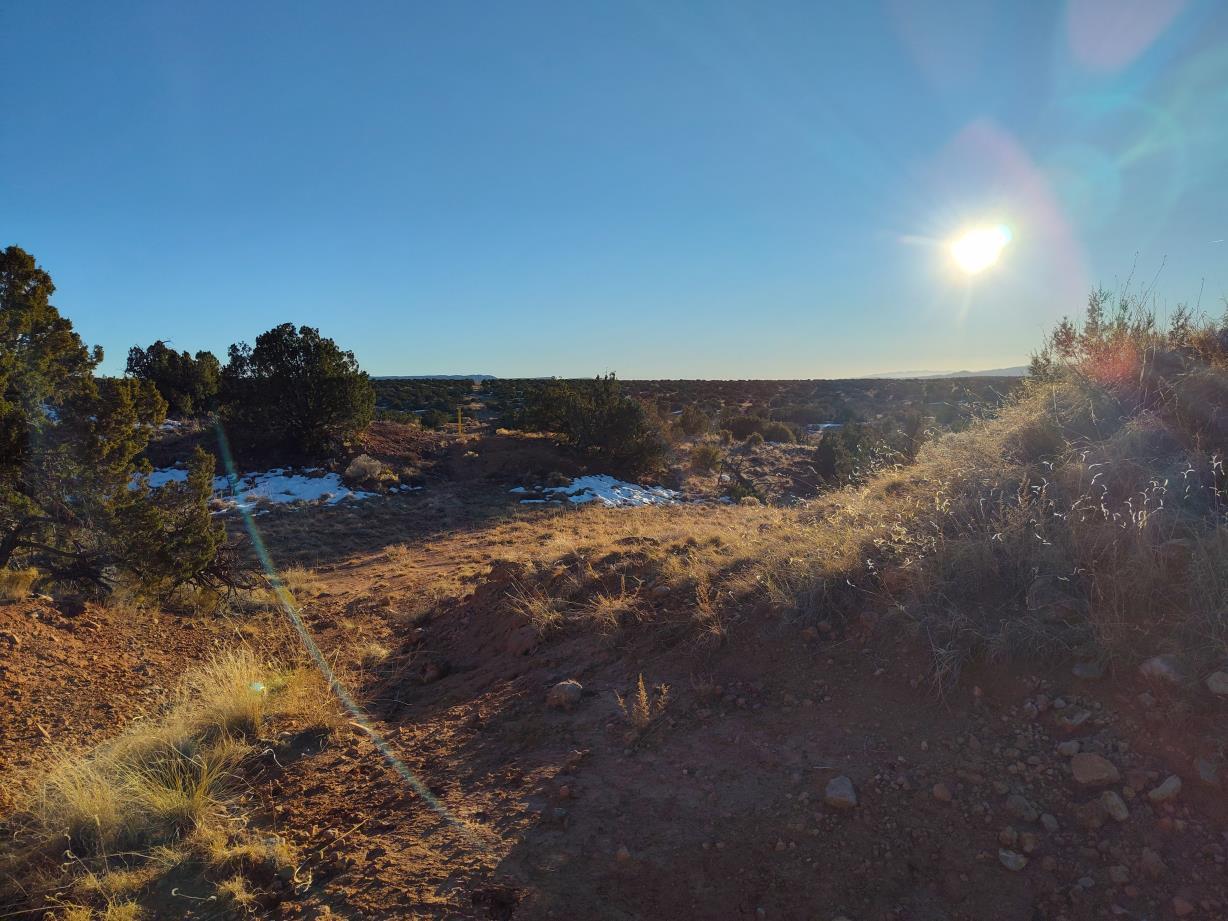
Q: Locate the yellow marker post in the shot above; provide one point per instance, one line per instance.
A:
(460, 427)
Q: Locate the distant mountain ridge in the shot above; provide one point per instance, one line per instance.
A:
(1013, 371)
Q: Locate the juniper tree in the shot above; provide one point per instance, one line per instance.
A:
(70, 447)
(189, 385)
(297, 391)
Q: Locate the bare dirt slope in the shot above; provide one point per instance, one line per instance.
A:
(967, 804)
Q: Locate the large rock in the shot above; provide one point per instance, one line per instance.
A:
(1053, 600)
(1161, 668)
(1217, 684)
(565, 695)
(1114, 805)
(1165, 791)
(1092, 770)
(840, 793)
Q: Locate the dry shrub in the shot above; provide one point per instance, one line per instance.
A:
(301, 582)
(642, 709)
(705, 457)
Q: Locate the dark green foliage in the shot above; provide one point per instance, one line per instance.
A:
(837, 455)
(412, 395)
(742, 427)
(167, 534)
(189, 385)
(596, 418)
(296, 391)
(71, 443)
(754, 440)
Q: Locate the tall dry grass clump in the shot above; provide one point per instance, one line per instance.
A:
(1087, 518)
(163, 792)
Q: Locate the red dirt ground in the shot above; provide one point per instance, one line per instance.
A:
(717, 811)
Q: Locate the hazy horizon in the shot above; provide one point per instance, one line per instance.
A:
(670, 190)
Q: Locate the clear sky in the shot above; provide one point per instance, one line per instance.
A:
(661, 189)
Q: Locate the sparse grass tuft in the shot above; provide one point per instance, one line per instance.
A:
(641, 709)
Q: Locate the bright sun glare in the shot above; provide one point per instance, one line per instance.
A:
(978, 249)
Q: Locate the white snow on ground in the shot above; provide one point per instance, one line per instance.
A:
(272, 487)
(608, 491)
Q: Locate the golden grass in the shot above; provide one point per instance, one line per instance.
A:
(165, 788)
(16, 583)
(641, 708)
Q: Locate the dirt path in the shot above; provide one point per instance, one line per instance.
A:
(967, 805)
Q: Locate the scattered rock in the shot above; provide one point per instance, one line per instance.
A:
(1181, 907)
(1012, 860)
(1088, 671)
(1019, 807)
(1114, 805)
(565, 695)
(1161, 668)
(942, 792)
(1073, 719)
(623, 855)
(1068, 749)
(1119, 875)
(840, 793)
(1051, 599)
(1207, 770)
(1217, 684)
(1049, 823)
(1092, 770)
(1167, 790)
(1151, 864)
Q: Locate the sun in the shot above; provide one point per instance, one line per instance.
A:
(977, 249)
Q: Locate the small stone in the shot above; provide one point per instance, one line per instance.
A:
(1019, 807)
(1049, 823)
(1114, 805)
(1207, 770)
(1068, 749)
(840, 793)
(1167, 790)
(623, 855)
(1161, 668)
(1217, 684)
(1151, 864)
(1088, 671)
(1008, 837)
(1028, 842)
(1181, 907)
(1072, 720)
(1012, 860)
(565, 695)
(1092, 770)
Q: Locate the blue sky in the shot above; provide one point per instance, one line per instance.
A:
(706, 189)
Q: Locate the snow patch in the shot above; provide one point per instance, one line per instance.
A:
(605, 489)
(278, 486)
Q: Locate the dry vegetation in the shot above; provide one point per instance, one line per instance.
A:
(165, 797)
